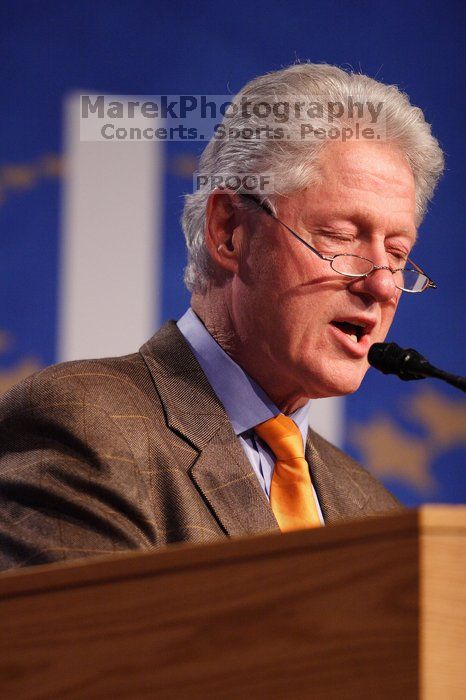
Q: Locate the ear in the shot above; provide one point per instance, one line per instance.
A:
(224, 234)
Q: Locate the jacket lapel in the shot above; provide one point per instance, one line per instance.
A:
(219, 468)
(340, 496)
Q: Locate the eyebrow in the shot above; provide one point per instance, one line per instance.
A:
(361, 219)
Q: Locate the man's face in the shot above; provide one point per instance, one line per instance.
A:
(292, 307)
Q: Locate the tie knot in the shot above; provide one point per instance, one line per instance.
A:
(283, 437)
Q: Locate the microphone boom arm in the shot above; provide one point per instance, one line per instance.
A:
(408, 364)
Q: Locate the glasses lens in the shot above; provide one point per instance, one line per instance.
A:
(412, 281)
(351, 265)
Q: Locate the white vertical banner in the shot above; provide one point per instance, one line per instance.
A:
(111, 243)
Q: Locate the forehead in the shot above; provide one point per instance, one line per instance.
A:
(362, 180)
(366, 165)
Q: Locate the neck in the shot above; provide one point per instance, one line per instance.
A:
(214, 313)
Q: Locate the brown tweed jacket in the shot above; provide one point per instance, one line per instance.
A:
(136, 452)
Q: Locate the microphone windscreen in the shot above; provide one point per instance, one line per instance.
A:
(385, 357)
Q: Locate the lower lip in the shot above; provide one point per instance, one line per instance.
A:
(359, 349)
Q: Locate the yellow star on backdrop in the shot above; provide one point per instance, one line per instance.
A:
(443, 418)
(389, 452)
(11, 376)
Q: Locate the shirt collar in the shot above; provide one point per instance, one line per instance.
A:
(245, 403)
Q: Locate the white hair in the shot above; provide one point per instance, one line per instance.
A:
(294, 161)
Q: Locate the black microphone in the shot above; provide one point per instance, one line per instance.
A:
(408, 364)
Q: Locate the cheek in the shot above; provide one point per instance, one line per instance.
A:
(388, 315)
(283, 294)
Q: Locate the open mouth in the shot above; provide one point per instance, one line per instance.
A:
(352, 330)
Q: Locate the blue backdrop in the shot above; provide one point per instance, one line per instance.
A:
(412, 436)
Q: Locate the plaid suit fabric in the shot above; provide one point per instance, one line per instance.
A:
(137, 452)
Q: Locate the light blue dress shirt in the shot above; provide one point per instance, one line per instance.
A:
(245, 403)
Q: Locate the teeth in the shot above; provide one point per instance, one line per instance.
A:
(348, 327)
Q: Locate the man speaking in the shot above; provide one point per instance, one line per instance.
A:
(204, 433)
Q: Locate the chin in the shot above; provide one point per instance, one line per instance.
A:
(335, 384)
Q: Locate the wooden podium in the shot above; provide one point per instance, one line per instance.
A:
(369, 609)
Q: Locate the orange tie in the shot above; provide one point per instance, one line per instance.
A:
(291, 495)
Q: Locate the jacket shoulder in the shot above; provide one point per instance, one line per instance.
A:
(75, 476)
(101, 381)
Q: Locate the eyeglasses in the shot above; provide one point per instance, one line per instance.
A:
(407, 279)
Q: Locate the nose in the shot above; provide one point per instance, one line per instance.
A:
(379, 284)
